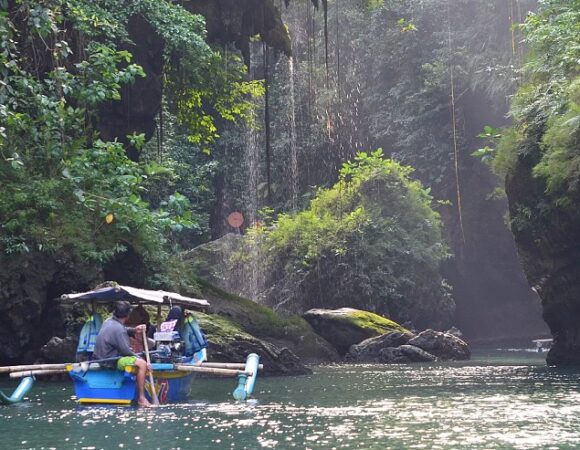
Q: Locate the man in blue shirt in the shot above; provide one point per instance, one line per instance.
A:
(113, 342)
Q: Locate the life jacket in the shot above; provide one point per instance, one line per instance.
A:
(193, 338)
(88, 336)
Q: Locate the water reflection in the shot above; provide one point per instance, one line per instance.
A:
(502, 403)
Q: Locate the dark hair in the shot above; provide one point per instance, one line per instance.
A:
(175, 313)
(122, 309)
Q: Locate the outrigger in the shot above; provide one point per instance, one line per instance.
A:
(177, 357)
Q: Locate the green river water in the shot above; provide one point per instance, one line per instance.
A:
(497, 400)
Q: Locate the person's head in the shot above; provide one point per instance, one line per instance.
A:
(121, 310)
(138, 316)
(175, 313)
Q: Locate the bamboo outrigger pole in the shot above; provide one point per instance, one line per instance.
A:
(219, 365)
(8, 369)
(33, 373)
(211, 370)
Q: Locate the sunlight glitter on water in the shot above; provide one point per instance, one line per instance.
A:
(506, 403)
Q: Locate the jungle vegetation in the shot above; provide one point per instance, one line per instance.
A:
(242, 127)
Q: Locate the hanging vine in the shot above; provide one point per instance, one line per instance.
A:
(454, 127)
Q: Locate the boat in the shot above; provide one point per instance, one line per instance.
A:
(543, 345)
(177, 358)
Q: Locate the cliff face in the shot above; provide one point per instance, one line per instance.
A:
(29, 314)
(493, 298)
(548, 241)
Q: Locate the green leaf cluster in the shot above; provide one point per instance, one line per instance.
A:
(546, 109)
(64, 190)
(372, 241)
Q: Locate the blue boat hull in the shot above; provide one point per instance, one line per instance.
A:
(120, 388)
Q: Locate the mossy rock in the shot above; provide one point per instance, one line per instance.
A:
(228, 342)
(346, 326)
(265, 324)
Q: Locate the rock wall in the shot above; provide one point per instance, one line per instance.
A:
(548, 241)
(493, 299)
(29, 314)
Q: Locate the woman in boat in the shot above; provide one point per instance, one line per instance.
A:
(140, 316)
(176, 314)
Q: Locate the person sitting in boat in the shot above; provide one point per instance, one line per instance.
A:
(113, 342)
(175, 316)
(140, 316)
(191, 334)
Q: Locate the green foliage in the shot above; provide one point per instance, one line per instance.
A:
(371, 241)
(65, 191)
(210, 93)
(560, 163)
(487, 152)
(546, 109)
(506, 152)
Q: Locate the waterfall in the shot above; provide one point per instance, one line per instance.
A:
(252, 160)
(293, 144)
(249, 281)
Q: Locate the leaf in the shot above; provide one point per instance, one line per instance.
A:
(80, 195)
(109, 218)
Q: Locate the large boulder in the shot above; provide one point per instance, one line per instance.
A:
(229, 343)
(345, 327)
(29, 316)
(262, 322)
(404, 354)
(58, 350)
(369, 350)
(444, 346)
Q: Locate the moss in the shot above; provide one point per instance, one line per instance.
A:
(346, 326)
(264, 323)
(380, 324)
(219, 329)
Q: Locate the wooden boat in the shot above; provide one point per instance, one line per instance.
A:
(173, 373)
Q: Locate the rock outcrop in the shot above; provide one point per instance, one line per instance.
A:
(345, 327)
(59, 350)
(444, 346)
(404, 354)
(229, 343)
(291, 332)
(396, 347)
(369, 350)
(29, 316)
(548, 242)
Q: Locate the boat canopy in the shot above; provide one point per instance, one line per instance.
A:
(135, 295)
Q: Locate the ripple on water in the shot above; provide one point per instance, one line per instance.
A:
(518, 405)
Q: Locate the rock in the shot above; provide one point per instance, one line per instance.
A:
(262, 322)
(548, 242)
(443, 345)
(410, 326)
(229, 343)
(404, 354)
(58, 350)
(345, 327)
(213, 262)
(369, 350)
(454, 331)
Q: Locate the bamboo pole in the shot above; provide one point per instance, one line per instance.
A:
(151, 381)
(31, 373)
(219, 365)
(8, 369)
(211, 370)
